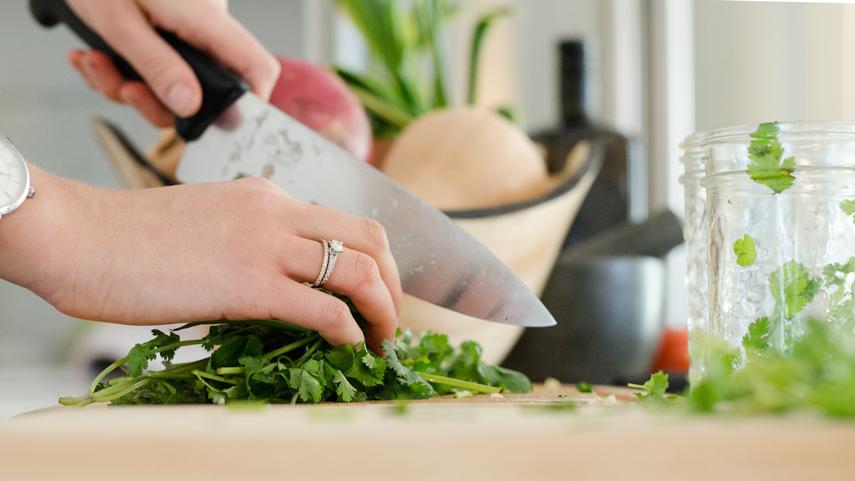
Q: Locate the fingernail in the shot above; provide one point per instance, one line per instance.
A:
(179, 97)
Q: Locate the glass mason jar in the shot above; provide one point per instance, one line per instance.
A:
(780, 220)
(695, 236)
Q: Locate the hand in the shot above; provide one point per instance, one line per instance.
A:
(170, 86)
(234, 250)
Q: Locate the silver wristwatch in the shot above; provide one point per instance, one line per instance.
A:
(15, 185)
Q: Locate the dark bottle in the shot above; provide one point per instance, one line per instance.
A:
(608, 203)
(578, 348)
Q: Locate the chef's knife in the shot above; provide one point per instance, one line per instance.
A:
(237, 134)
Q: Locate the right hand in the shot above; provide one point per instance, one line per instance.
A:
(169, 86)
(235, 250)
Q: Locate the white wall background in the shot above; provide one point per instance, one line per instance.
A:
(771, 61)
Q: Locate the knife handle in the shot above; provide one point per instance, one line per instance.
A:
(220, 88)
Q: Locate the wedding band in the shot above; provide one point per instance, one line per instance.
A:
(332, 248)
(324, 264)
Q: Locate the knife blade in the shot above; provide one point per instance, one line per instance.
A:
(237, 134)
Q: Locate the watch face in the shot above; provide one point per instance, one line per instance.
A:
(14, 179)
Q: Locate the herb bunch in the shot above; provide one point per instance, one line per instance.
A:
(273, 362)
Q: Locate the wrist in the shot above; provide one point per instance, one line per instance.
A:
(33, 237)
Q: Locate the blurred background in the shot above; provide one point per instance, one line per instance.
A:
(633, 76)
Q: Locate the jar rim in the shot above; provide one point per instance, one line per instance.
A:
(742, 133)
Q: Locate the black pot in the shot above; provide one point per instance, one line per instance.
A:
(610, 313)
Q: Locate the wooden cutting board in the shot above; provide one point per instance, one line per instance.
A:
(518, 437)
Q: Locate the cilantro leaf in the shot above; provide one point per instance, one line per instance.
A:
(140, 355)
(745, 250)
(757, 337)
(584, 387)
(653, 388)
(507, 379)
(835, 274)
(768, 165)
(233, 348)
(848, 208)
(793, 288)
(358, 363)
(343, 389)
(406, 379)
(308, 386)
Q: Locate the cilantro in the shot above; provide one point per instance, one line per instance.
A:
(405, 382)
(757, 337)
(848, 208)
(793, 288)
(140, 355)
(745, 250)
(271, 362)
(507, 379)
(654, 388)
(306, 382)
(584, 387)
(768, 165)
(343, 389)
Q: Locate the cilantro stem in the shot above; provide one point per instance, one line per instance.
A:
(452, 382)
(178, 371)
(309, 352)
(208, 385)
(118, 387)
(289, 347)
(120, 362)
(124, 392)
(229, 371)
(214, 377)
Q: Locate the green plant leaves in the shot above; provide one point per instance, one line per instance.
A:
(793, 288)
(745, 250)
(768, 165)
(263, 361)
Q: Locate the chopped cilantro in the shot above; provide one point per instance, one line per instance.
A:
(848, 208)
(654, 388)
(768, 165)
(793, 288)
(757, 337)
(745, 250)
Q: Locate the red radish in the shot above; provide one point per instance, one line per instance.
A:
(322, 101)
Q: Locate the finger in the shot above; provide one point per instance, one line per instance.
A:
(140, 97)
(356, 276)
(103, 73)
(75, 59)
(123, 26)
(225, 39)
(359, 233)
(312, 309)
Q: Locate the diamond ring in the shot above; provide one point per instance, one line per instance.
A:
(332, 248)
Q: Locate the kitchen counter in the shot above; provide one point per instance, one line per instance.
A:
(513, 438)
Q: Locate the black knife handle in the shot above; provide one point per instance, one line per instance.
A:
(220, 88)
